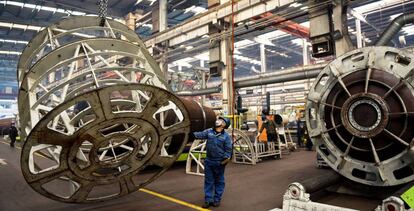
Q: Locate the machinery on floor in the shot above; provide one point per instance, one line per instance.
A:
(95, 111)
(358, 112)
(296, 198)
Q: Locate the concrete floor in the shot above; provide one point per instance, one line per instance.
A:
(259, 187)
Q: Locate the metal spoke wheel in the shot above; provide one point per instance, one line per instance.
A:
(102, 157)
(359, 113)
(243, 150)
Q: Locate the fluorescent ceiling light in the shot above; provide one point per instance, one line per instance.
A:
(273, 35)
(263, 40)
(11, 52)
(20, 26)
(14, 41)
(357, 15)
(140, 24)
(248, 60)
(266, 38)
(151, 2)
(236, 51)
(37, 28)
(243, 43)
(376, 5)
(195, 9)
(298, 41)
(40, 7)
(204, 56)
(183, 62)
(352, 31)
(278, 53)
(409, 30)
(392, 17)
(295, 5)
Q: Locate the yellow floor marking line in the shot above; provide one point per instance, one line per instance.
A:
(159, 195)
(172, 199)
(38, 154)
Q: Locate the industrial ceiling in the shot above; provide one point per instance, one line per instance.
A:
(21, 20)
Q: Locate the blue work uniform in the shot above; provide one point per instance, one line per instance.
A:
(219, 147)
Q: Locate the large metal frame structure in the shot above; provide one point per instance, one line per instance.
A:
(95, 111)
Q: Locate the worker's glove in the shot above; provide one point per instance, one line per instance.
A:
(225, 161)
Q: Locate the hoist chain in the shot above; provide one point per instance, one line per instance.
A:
(103, 8)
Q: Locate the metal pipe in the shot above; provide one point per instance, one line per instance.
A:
(278, 103)
(201, 117)
(199, 92)
(240, 82)
(279, 76)
(322, 181)
(395, 26)
(278, 93)
(163, 20)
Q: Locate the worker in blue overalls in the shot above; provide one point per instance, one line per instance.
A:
(219, 150)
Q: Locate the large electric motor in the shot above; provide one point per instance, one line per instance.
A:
(360, 115)
(95, 111)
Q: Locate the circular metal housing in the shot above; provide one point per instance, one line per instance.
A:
(365, 115)
(359, 112)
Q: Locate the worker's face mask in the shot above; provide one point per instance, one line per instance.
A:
(219, 125)
(219, 129)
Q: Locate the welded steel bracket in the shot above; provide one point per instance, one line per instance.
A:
(195, 159)
(296, 199)
(243, 149)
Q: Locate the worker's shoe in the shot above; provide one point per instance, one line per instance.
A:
(216, 204)
(206, 205)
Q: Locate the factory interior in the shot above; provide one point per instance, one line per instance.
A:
(290, 105)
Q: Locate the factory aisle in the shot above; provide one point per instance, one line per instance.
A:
(259, 187)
